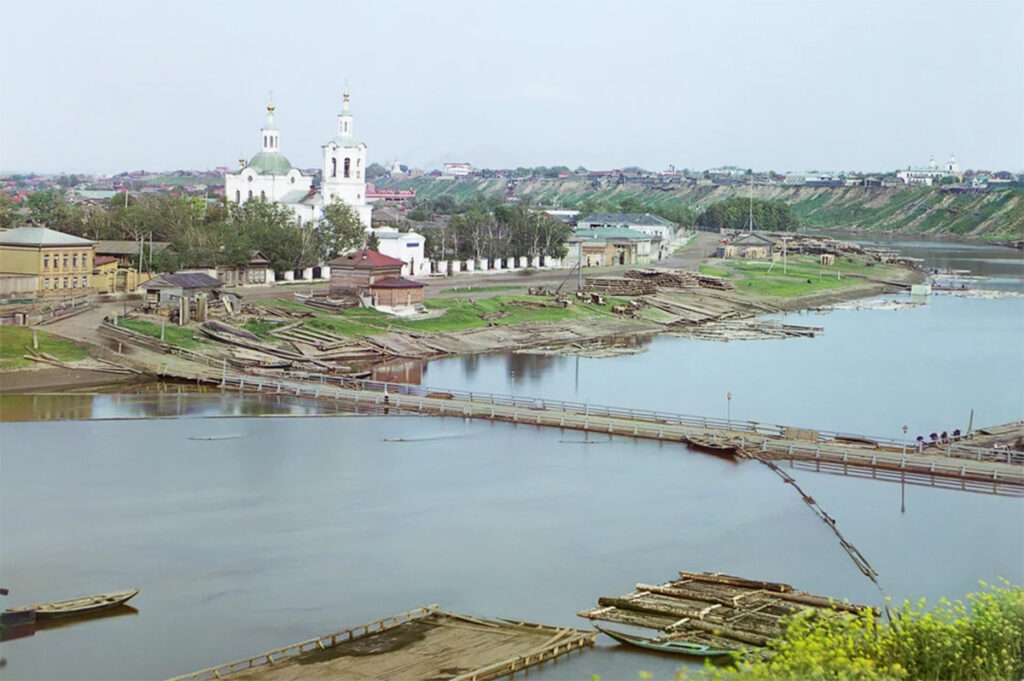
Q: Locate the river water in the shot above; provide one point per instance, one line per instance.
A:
(286, 526)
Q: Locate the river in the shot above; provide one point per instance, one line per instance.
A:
(290, 525)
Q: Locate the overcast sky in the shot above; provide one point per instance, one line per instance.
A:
(107, 86)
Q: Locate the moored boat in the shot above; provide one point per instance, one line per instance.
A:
(77, 606)
(664, 645)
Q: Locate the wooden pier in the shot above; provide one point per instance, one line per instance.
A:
(425, 644)
(954, 465)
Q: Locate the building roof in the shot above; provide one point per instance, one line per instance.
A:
(96, 194)
(40, 236)
(127, 247)
(270, 163)
(396, 282)
(599, 233)
(343, 141)
(103, 260)
(629, 219)
(366, 259)
(184, 280)
(294, 196)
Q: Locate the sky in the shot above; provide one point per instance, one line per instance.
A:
(108, 85)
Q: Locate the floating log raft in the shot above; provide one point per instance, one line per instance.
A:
(426, 643)
(712, 609)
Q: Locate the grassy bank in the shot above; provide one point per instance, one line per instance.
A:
(801, 275)
(994, 215)
(458, 315)
(16, 341)
(173, 334)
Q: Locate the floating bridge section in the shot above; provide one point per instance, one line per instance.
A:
(953, 465)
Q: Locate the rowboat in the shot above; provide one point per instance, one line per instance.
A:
(663, 645)
(77, 606)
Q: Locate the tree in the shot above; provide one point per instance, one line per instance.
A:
(734, 213)
(48, 208)
(9, 216)
(372, 241)
(270, 228)
(341, 230)
(375, 170)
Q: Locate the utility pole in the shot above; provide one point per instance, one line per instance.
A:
(728, 409)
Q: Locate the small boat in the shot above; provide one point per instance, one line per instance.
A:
(77, 606)
(663, 645)
(722, 448)
(17, 618)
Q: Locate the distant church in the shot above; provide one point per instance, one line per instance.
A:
(269, 175)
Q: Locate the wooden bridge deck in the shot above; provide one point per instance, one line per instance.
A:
(959, 465)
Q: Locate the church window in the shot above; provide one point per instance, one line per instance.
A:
(359, 162)
(348, 164)
(264, 141)
(250, 193)
(334, 167)
(238, 196)
(263, 195)
(293, 180)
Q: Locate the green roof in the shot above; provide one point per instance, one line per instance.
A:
(610, 233)
(40, 236)
(270, 163)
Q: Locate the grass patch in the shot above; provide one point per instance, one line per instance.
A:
(802, 274)
(261, 329)
(16, 341)
(175, 335)
(458, 315)
(715, 271)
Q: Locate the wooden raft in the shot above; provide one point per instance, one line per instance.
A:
(425, 644)
(720, 611)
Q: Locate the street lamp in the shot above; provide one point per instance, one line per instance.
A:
(904, 440)
(728, 409)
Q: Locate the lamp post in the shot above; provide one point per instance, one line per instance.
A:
(904, 440)
(728, 409)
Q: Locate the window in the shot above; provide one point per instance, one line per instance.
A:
(334, 167)
(238, 196)
(293, 180)
(263, 195)
(46, 283)
(65, 283)
(348, 165)
(74, 282)
(250, 193)
(65, 261)
(46, 262)
(74, 261)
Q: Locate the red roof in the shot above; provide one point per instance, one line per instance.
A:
(103, 259)
(396, 282)
(366, 259)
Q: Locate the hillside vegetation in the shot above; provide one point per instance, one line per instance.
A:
(997, 215)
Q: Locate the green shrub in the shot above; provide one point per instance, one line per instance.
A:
(980, 641)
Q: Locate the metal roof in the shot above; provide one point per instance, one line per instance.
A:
(629, 219)
(184, 280)
(40, 236)
(366, 259)
(270, 163)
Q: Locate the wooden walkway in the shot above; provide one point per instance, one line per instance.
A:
(425, 644)
(953, 465)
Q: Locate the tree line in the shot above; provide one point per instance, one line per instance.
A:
(734, 213)
(201, 233)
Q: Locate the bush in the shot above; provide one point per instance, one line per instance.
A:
(984, 644)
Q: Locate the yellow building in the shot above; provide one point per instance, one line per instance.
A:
(63, 263)
(104, 273)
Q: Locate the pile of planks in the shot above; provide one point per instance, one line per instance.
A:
(717, 283)
(322, 345)
(664, 278)
(270, 312)
(620, 286)
(724, 612)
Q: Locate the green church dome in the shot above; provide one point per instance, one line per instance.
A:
(270, 163)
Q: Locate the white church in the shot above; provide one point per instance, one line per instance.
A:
(270, 176)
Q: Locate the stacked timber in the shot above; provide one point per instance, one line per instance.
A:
(620, 286)
(717, 283)
(268, 312)
(721, 612)
(664, 278)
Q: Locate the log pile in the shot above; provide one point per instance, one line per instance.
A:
(721, 611)
(620, 286)
(664, 279)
